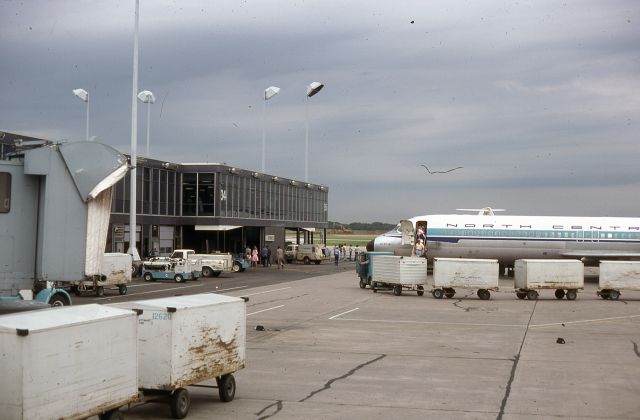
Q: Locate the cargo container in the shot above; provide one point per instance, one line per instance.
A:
(565, 276)
(365, 263)
(450, 274)
(616, 276)
(396, 273)
(116, 271)
(184, 340)
(72, 363)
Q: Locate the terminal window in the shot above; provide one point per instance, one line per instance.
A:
(5, 192)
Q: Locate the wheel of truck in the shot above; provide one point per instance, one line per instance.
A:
(572, 295)
(484, 294)
(289, 261)
(180, 403)
(521, 295)
(112, 415)
(122, 289)
(134, 270)
(226, 387)
(148, 277)
(363, 285)
(437, 293)
(99, 291)
(614, 295)
(532, 295)
(306, 260)
(420, 291)
(178, 278)
(397, 290)
(559, 293)
(317, 262)
(58, 300)
(206, 272)
(236, 267)
(217, 273)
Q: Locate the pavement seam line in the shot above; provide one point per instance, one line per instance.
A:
(516, 360)
(346, 375)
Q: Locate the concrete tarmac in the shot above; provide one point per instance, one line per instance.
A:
(330, 350)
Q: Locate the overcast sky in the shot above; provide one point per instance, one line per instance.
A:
(539, 101)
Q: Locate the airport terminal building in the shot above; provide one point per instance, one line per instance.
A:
(215, 207)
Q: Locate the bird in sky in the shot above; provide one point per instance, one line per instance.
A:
(440, 172)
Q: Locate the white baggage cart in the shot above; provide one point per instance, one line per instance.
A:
(565, 276)
(450, 274)
(616, 276)
(397, 273)
(184, 340)
(73, 362)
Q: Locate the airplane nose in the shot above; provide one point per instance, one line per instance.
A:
(370, 246)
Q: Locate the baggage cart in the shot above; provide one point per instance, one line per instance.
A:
(365, 267)
(565, 276)
(398, 273)
(450, 274)
(616, 276)
(185, 340)
(116, 271)
(72, 362)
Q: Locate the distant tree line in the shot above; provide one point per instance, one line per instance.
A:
(362, 226)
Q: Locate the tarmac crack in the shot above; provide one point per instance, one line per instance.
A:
(346, 375)
(277, 404)
(514, 367)
(635, 348)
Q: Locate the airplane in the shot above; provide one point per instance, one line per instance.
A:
(508, 238)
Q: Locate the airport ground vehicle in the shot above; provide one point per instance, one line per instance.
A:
(399, 273)
(165, 268)
(450, 274)
(565, 276)
(616, 276)
(55, 201)
(305, 253)
(239, 264)
(184, 340)
(211, 264)
(365, 264)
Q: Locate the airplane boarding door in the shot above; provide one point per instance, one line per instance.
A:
(408, 233)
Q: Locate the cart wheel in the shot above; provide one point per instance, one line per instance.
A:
(521, 295)
(226, 387)
(180, 403)
(614, 295)
(604, 295)
(99, 291)
(559, 293)
(178, 278)
(484, 294)
(397, 290)
(420, 290)
(122, 289)
(437, 293)
(363, 285)
(112, 415)
(532, 295)
(147, 277)
(450, 293)
(572, 295)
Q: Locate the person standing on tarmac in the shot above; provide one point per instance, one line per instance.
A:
(280, 258)
(336, 254)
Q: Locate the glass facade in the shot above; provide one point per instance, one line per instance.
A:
(219, 193)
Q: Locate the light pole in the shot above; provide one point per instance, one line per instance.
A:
(134, 141)
(147, 97)
(269, 93)
(312, 89)
(84, 97)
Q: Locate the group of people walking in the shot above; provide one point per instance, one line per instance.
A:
(253, 257)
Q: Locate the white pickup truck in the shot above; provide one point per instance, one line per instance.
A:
(212, 264)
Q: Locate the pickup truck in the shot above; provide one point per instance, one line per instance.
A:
(212, 264)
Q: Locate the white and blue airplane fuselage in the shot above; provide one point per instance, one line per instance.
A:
(507, 238)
